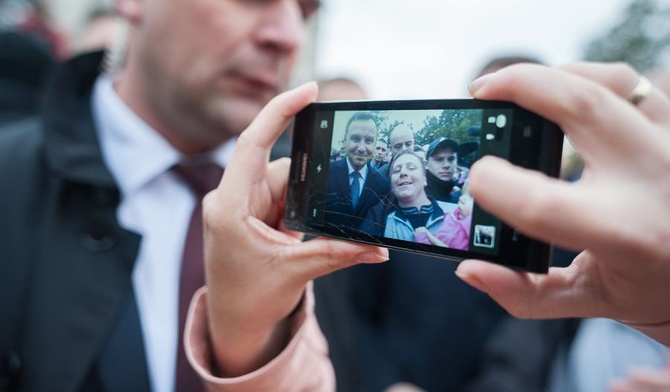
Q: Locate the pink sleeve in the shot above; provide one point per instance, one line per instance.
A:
(459, 238)
(304, 364)
(459, 242)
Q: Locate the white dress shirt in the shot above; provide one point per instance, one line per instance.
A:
(361, 180)
(156, 205)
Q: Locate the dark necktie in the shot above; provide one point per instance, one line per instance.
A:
(355, 187)
(200, 179)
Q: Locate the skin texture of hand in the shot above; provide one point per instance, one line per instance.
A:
(403, 387)
(617, 213)
(643, 380)
(256, 269)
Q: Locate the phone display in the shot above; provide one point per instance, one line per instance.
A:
(396, 174)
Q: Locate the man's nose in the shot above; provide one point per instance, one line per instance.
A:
(283, 27)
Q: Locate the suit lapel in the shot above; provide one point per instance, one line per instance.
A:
(81, 287)
(369, 196)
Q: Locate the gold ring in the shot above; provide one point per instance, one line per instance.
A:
(640, 92)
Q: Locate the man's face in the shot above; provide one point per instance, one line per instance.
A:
(442, 164)
(408, 178)
(402, 138)
(380, 151)
(203, 69)
(359, 142)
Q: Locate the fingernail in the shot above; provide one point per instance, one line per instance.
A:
(370, 257)
(309, 83)
(477, 85)
(471, 280)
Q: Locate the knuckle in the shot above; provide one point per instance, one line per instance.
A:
(621, 68)
(587, 103)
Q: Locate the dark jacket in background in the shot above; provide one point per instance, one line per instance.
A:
(520, 355)
(25, 67)
(65, 264)
(417, 322)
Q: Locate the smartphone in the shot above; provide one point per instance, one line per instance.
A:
(415, 195)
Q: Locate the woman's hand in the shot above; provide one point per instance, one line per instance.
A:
(257, 269)
(618, 213)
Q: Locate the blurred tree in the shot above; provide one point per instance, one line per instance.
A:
(383, 126)
(640, 38)
(454, 124)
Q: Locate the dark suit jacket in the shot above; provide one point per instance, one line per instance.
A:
(416, 321)
(339, 208)
(65, 264)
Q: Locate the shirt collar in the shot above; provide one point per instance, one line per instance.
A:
(135, 152)
(363, 171)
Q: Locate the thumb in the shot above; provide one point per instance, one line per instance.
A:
(321, 256)
(523, 294)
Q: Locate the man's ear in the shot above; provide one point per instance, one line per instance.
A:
(132, 10)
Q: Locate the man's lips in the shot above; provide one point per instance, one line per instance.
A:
(256, 83)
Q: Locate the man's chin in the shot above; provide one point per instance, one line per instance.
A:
(240, 113)
(360, 162)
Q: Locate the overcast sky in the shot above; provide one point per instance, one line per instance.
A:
(433, 48)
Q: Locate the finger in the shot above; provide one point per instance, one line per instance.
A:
(547, 209)
(321, 256)
(293, 234)
(277, 182)
(254, 144)
(622, 386)
(275, 116)
(597, 121)
(621, 78)
(278, 178)
(659, 378)
(527, 295)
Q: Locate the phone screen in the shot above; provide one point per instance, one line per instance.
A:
(396, 174)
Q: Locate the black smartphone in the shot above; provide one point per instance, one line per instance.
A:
(396, 174)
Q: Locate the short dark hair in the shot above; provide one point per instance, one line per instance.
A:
(441, 143)
(359, 116)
